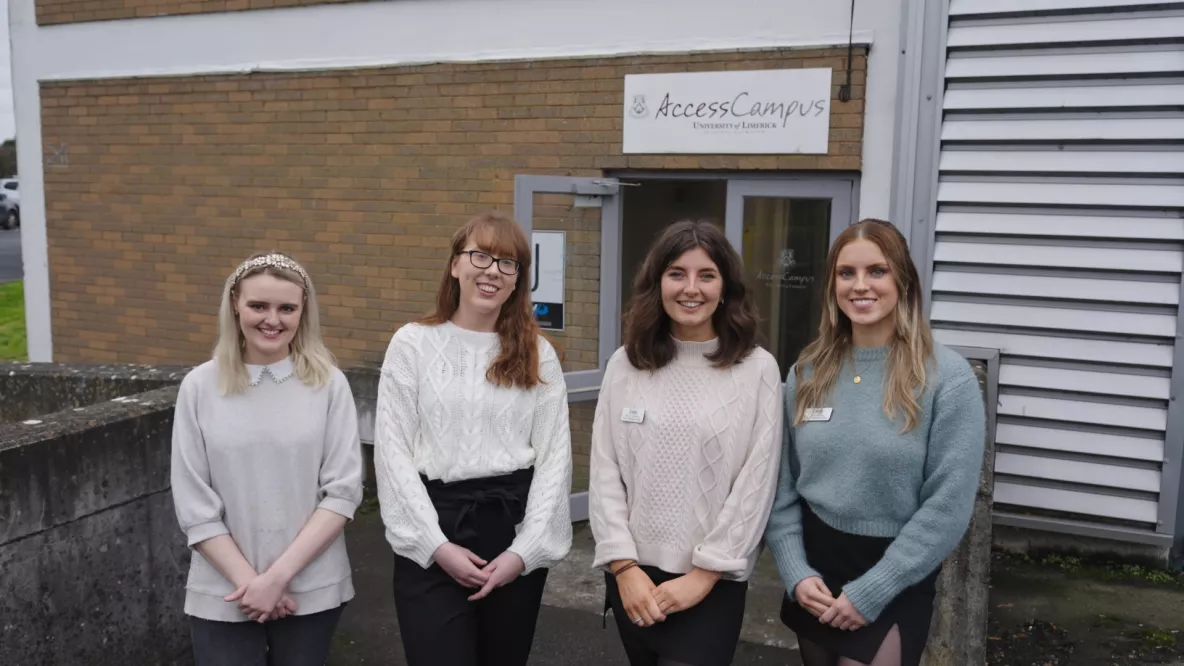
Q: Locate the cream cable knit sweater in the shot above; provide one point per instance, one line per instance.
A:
(438, 416)
(692, 483)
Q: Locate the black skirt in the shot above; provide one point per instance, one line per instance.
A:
(842, 557)
(704, 635)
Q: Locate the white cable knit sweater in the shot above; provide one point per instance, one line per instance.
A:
(692, 484)
(439, 416)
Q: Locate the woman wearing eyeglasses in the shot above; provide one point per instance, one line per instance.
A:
(473, 458)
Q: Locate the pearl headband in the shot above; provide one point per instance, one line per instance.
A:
(269, 261)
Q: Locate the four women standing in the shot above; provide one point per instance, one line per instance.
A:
(859, 471)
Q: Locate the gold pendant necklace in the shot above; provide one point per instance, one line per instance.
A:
(855, 363)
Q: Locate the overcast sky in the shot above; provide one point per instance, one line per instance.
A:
(7, 121)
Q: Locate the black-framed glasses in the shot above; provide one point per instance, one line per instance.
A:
(484, 260)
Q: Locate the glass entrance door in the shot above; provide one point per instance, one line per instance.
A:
(783, 230)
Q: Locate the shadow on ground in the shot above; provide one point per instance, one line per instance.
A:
(569, 630)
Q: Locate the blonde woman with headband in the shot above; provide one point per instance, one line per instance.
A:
(882, 450)
(266, 472)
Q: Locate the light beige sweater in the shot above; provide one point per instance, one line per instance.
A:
(692, 483)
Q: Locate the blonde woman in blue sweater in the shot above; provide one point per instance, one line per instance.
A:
(883, 444)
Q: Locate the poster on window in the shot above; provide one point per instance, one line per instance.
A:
(547, 284)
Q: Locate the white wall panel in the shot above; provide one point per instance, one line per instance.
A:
(1166, 194)
(1115, 27)
(1060, 224)
(1097, 95)
(970, 7)
(1077, 441)
(1082, 381)
(1039, 286)
(1065, 161)
(1102, 61)
(1081, 411)
(1075, 471)
(1063, 319)
(1061, 129)
(1051, 256)
(1081, 502)
(1069, 349)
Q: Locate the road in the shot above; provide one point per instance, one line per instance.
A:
(10, 255)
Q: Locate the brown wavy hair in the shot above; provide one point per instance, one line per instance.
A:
(517, 364)
(912, 341)
(648, 341)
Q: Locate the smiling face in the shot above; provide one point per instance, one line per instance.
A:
(268, 310)
(691, 290)
(486, 282)
(866, 290)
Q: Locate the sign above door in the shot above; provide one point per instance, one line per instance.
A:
(768, 111)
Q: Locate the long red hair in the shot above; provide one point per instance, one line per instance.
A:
(517, 364)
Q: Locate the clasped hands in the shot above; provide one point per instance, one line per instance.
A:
(473, 572)
(264, 598)
(646, 603)
(813, 595)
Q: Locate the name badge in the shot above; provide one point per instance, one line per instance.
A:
(632, 415)
(818, 414)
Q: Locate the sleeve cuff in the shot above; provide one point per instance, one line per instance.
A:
(339, 506)
(720, 563)
(206, 531)
(790, 555)
(870, 593)
(608, 552)
(424, 552)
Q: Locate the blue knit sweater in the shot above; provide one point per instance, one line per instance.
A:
(861, 475)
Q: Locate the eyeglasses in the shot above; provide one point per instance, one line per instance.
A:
(483, 260)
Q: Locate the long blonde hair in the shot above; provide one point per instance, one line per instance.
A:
(312, 361)
(911, 346)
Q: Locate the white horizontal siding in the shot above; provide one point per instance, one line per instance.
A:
(1059, 224)
(1084, 381)
(1081, 411)
(1083, 289)
(1076, 471)
(1148, 449)
(968, 7)
(1132, 94)
(1117, 60)
(1061, 129)
(1060, 204)
(1073, 31)
(1052, 256)
(1166, 194)
(1080, 502)
(1065, 161)
(1149, 354)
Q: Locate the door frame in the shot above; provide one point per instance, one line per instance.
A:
(841, 192)
(584, 385)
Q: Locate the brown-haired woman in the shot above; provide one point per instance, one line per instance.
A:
(685, 446)
(882, 455)
(473, 458)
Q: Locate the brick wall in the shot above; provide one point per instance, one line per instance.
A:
(51, 12)
(157, 188)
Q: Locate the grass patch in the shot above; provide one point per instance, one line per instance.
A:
(13, 345)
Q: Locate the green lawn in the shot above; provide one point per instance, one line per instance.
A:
(12, 322)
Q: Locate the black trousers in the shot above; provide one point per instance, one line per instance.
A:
(439, 625)
(297, 640)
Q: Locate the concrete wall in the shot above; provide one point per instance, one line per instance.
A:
(28, 390)
(93, 562)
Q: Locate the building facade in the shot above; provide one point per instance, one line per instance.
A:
(1029, 150)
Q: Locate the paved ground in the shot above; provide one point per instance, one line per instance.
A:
(10, 255)
(569, 630)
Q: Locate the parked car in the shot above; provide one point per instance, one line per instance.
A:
(10, 203)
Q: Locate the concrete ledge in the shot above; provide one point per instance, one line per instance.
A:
(28, 390)
(94, 563)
